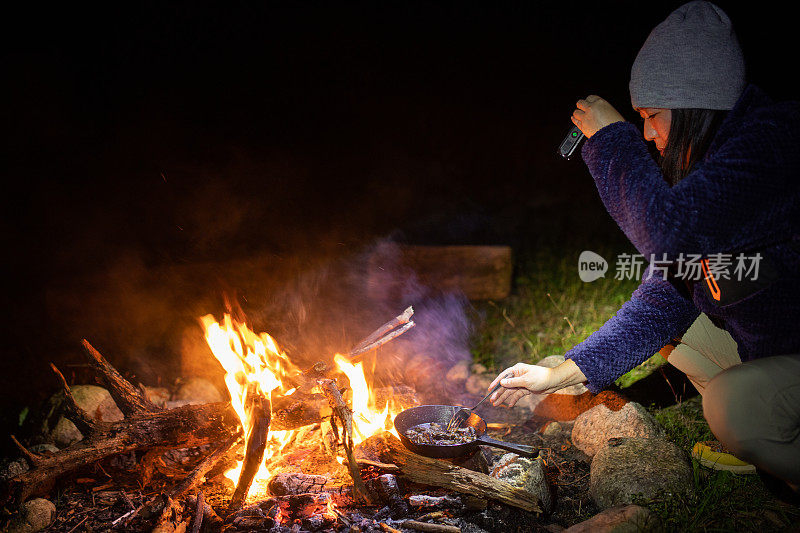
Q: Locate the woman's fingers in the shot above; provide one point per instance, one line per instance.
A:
(516, 370)
(500, 396)
(515, 397)
(515, 382)
(593, 113)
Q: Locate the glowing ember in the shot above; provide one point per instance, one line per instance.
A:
(250, 358)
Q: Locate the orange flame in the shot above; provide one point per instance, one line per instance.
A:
(248, 358)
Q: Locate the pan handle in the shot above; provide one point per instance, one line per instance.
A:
(519, 449)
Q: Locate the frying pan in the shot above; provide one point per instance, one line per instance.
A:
(441, 414)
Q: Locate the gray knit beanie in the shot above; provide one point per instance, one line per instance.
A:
(691, 60)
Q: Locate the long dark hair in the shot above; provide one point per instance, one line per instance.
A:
(690, 134)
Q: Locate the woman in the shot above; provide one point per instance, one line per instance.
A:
(727, 187)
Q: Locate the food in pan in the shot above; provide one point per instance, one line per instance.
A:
(438, 435)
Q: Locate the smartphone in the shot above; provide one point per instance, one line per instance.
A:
(571, 142)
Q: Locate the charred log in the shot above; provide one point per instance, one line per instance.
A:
(259, 411)
(439, 473)
(146, 427)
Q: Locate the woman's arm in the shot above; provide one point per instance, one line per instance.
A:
(743, 196)
(655, 314)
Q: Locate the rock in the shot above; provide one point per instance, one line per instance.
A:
(478, 384)
(196, 390)
(458, 373)
(11, 468)
(158, 395)
(595, 426)
(34, 515)
(43, 449)
(526, 474)
(478, 368)
(96, 401)
(622, 519)
(631, 467)
(557, 430)
(552, 361)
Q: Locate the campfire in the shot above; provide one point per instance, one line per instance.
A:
(302, 449)
(259, 376)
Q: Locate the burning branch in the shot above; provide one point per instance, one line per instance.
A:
(260, 412)
(345, 416)
(392, 329)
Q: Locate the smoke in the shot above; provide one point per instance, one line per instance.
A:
(330, 305)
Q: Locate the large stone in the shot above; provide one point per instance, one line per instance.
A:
(526, 474)
(628, 468)
(96, 401)
(595, 426)
(34, 515)
(197, 390)
(622, 519)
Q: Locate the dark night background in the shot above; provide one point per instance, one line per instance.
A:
(144, 136)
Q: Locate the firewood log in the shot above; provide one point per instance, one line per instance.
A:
(145, 427)
(259, 410)
(438, 473)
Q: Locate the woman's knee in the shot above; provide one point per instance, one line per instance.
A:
(735, 403)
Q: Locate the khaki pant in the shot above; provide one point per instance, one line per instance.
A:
(753, 408)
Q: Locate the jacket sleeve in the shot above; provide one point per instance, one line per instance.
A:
(655, 314)
(746, 179)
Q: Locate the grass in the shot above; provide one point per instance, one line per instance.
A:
(723, 501)
(549, 312)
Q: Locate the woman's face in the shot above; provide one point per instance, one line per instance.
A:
(656, 125)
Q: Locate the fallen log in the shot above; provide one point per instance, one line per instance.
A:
(444, 474)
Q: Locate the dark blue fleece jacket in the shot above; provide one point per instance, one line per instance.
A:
(743, 197)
